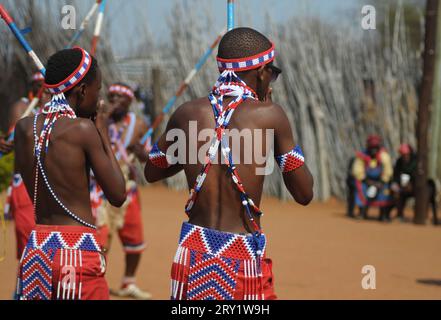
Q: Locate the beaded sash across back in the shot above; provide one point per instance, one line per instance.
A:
(230, 85)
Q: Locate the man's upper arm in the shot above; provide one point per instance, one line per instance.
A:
(299, 181)
(173, 123)
(154, 173)
(16, 112)
(284, 141)
(94, 150)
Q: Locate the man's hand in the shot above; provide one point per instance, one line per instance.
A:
(103, 113)
(5, 146)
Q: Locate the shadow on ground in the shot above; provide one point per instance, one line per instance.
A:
(430, 282)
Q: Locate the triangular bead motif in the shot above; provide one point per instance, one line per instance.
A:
(195, 241)
(216, 243)
(57, 240)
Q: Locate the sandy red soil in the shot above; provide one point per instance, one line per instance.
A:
(317, 252)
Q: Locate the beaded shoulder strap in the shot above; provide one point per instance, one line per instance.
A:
(229, 84)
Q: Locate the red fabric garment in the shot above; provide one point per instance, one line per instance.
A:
(62, 263)
(132, 232)
(22, 211)
(267, 282)
(93, 283)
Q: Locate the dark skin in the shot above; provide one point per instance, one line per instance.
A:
(16, 113)
(223, 210)
(76, 146)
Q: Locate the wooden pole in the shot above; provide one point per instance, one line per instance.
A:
(435, 125)
(421, 190)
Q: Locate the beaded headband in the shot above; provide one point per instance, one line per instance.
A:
(119, 89)
(75, 77)
(247, 63)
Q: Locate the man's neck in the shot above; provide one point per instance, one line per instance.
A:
(250, 82)
(73, 102)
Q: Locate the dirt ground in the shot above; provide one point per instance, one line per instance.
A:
(317, 252)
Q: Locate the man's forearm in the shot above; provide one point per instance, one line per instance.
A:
(108, 149)
(153, 173)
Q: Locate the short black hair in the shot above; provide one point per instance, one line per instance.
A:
(61, 64)
(241, 43)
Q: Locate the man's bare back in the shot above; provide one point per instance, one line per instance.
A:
(66, 166)
(219, 205)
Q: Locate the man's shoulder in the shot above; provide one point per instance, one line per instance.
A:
(82, 125)
(78, 127)
(81, 132)
(191, 109)
(20, 105)
(193, 105)
(268, 113)
(22, 101)
(24, 124)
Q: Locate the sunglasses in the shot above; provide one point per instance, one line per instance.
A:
(275, 72)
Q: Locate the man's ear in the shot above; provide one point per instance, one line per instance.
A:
(260, 72)
(82, 90)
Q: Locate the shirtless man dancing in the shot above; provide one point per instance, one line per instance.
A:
(54, 152)
(221, 252)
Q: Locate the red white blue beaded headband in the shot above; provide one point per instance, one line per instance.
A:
(75, 77)
(247, 63)
(120, 89)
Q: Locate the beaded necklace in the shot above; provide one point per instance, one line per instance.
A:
(57, 108)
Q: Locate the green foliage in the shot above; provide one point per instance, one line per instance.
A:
(6, 171)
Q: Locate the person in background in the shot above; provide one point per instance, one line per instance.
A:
(404, 180)
(373, 171)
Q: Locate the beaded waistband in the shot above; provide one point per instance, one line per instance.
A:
(63, 237)
(224, 244)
